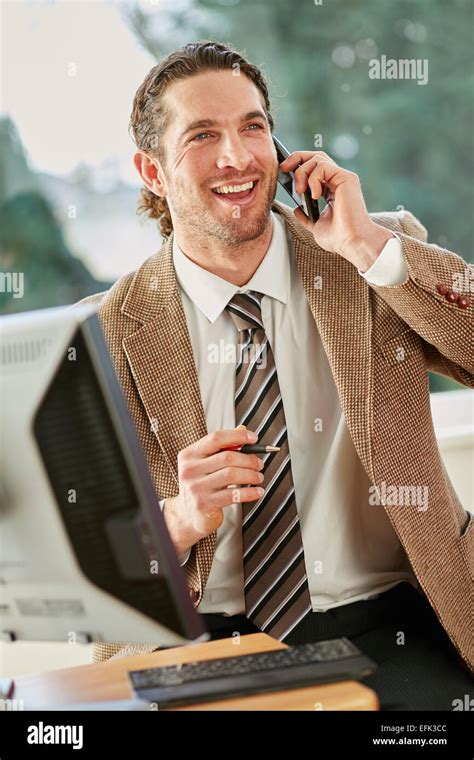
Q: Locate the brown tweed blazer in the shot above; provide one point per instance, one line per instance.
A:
(385, 400)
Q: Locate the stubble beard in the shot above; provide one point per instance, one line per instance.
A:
(195, 215)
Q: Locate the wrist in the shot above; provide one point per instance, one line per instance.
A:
(182, 537)
(367, 249)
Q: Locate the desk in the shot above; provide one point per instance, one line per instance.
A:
(108, 681)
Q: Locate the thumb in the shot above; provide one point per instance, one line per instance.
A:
(301, 217)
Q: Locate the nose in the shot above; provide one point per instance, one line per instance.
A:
(233, 153)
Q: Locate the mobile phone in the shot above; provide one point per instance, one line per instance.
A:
(307, 204)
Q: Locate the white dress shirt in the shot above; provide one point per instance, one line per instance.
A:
(351, 550)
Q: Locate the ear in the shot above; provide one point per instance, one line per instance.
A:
(151, 173)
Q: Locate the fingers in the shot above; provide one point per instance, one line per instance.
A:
(320, 174)
(194, 461)
(303, 172)
(226, 497)
(243, 495)
(230, 459)
(325, 179)
(318, 171)
(213, 442)
(299, 157)
(205, 500)
(209, 479)
(233, 475)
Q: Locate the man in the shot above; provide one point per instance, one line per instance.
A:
(341, 320)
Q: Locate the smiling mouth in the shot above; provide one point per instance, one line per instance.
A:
(233, 193)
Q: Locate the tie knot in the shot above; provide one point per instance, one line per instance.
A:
(245, 309)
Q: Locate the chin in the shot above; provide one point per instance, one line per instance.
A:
(247, 219)
(243, 230)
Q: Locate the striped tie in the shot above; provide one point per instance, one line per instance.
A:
(275, 582)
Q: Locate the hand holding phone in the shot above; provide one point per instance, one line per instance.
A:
(306, 203)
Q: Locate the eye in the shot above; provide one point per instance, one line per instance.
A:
(204, 135)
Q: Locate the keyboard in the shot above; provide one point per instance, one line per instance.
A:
(304, 665)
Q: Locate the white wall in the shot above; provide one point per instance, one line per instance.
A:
(35, 657)
(453, 417)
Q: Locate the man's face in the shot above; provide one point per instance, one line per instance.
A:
(218, 137)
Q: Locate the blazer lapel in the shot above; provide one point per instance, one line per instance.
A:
(161, 358)
(339, 300)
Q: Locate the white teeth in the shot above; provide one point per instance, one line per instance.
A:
(234, 188)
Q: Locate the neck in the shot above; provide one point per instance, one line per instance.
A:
(236, 263)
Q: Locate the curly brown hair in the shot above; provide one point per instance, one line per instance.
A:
(150, 117)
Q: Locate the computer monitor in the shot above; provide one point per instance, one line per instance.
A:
(85, 554)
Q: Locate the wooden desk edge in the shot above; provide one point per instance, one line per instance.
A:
(107, 681)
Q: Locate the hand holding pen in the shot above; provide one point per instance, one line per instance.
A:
(249, 449)
(220, 469)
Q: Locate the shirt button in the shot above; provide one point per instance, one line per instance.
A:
(452, 297)
(463, 302)
(442, 289)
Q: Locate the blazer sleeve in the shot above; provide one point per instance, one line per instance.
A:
(446, 328)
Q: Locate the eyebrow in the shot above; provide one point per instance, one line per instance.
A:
(206, 123)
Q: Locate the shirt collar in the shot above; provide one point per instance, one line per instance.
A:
(211, 293)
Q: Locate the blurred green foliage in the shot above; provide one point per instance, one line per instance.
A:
(31, 242)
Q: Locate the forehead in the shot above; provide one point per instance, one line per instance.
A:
(218, 95)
